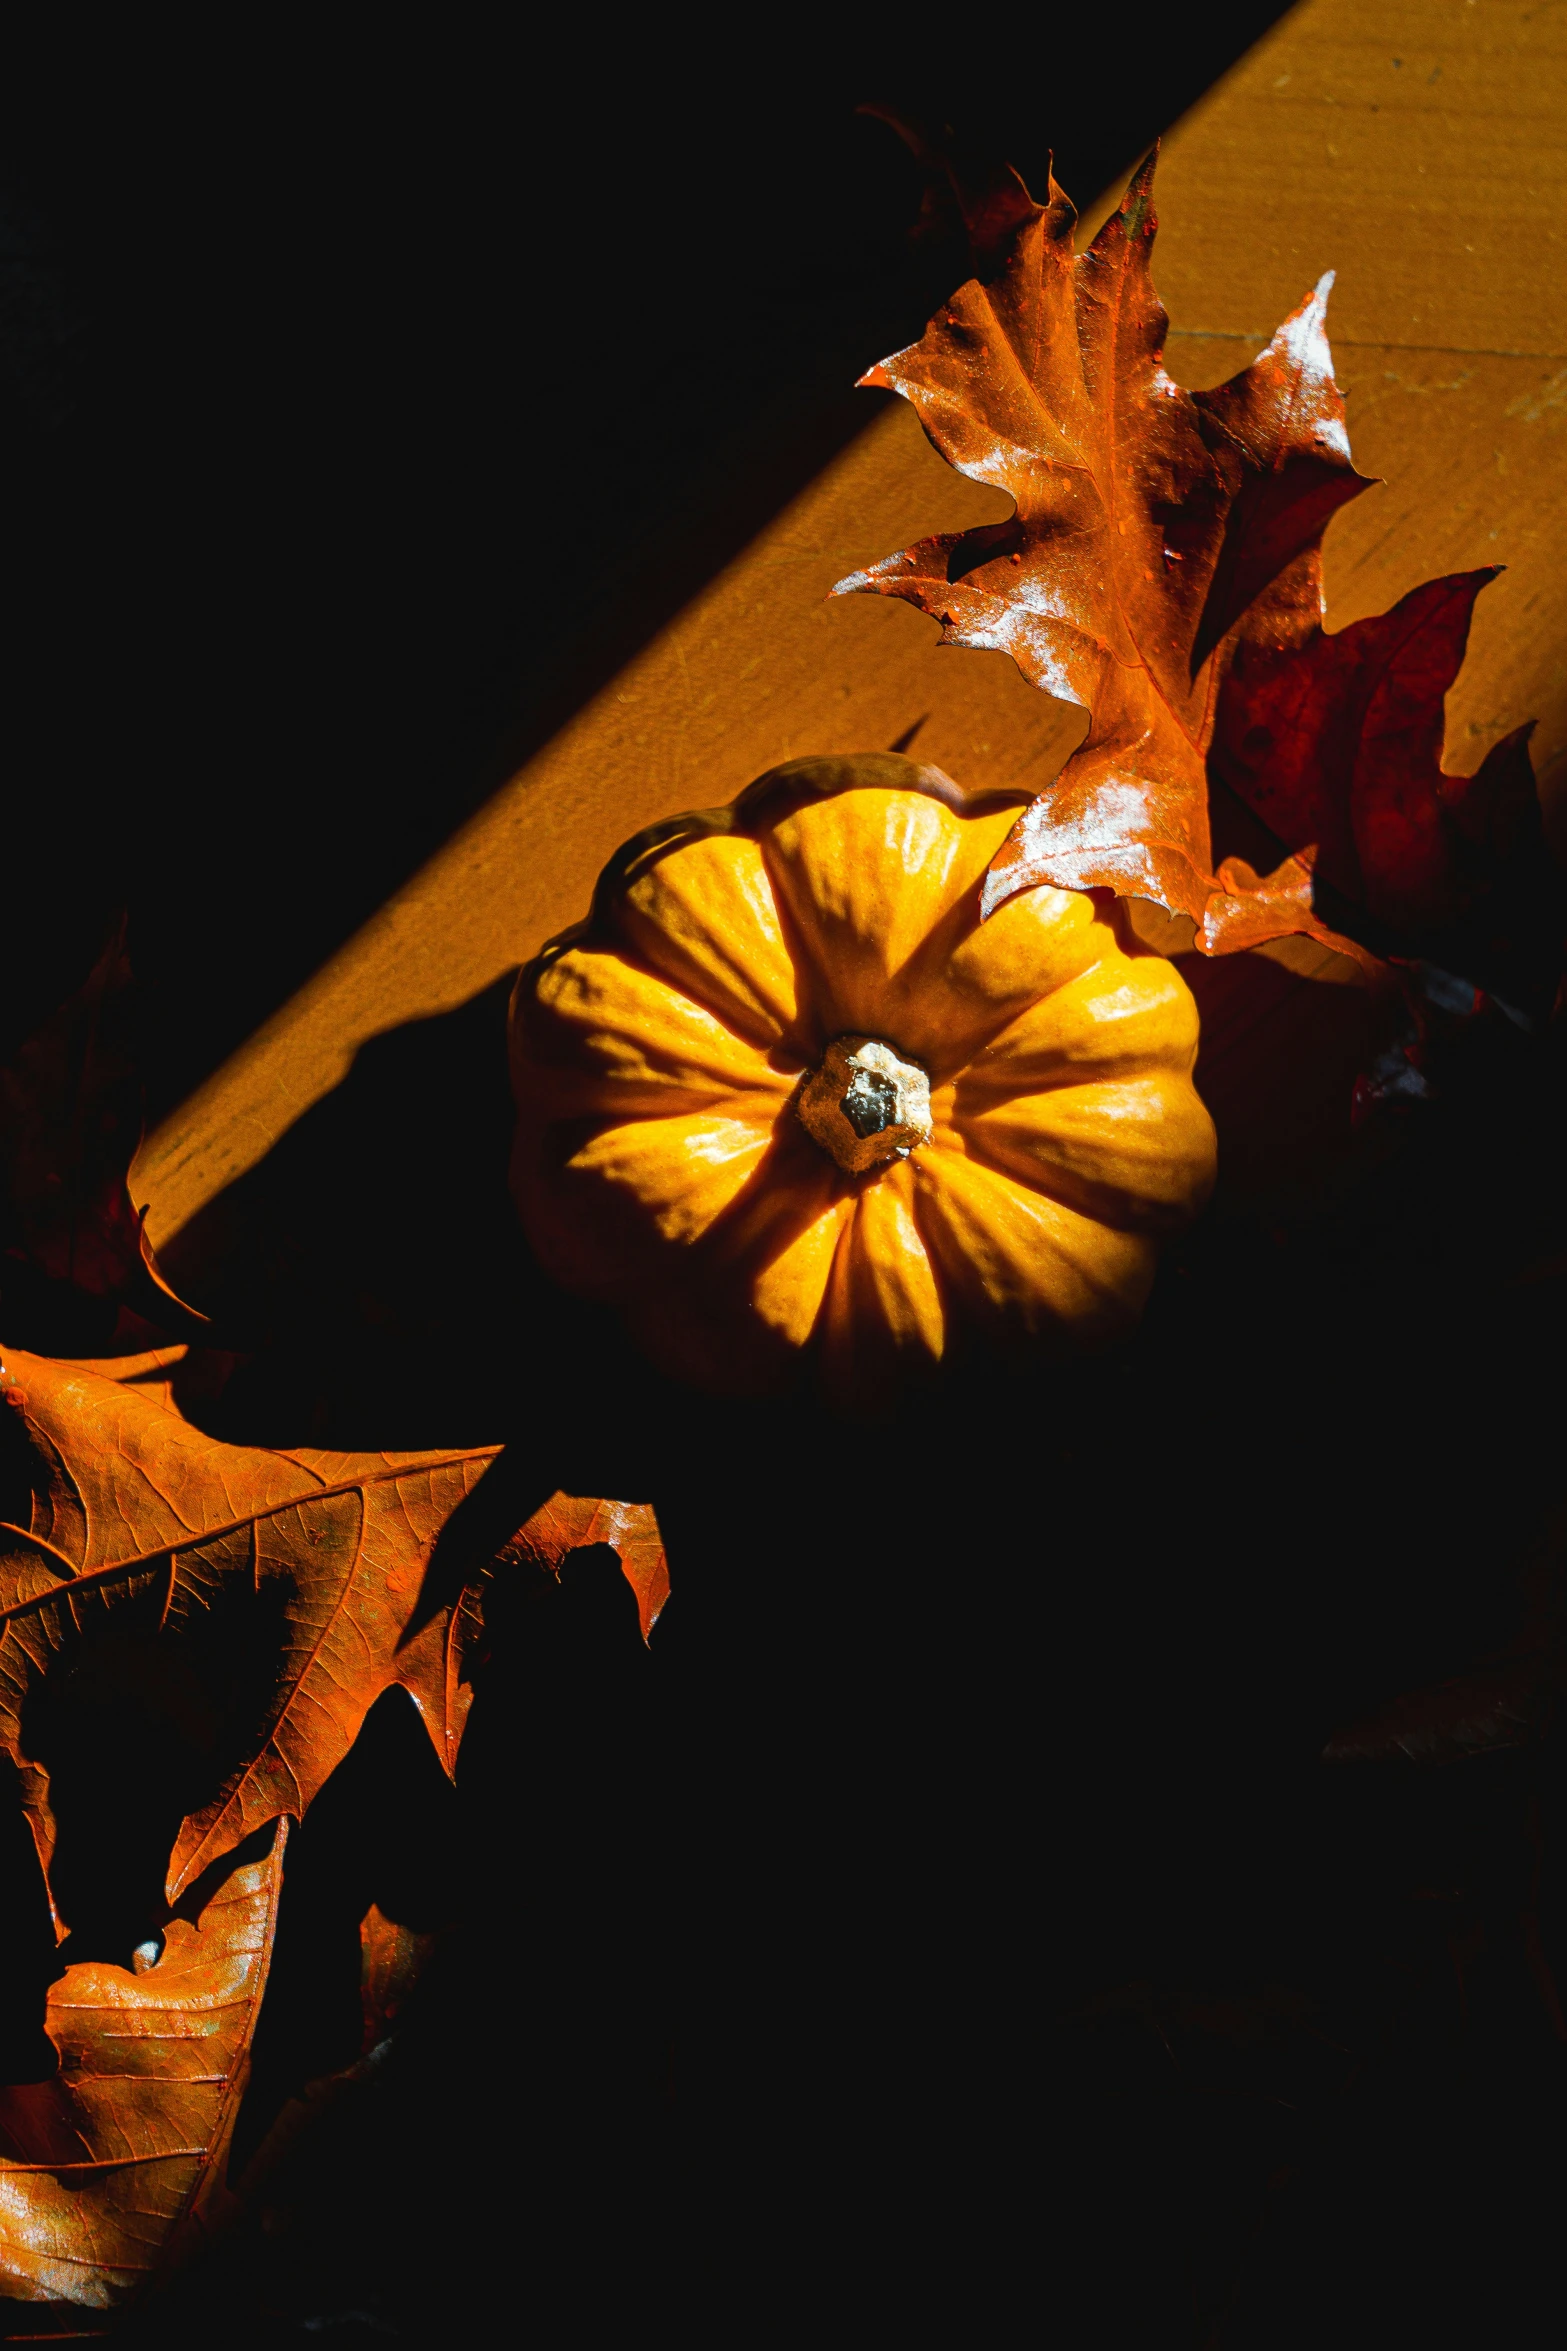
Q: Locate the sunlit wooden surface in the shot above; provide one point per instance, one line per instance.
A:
(1418, 147)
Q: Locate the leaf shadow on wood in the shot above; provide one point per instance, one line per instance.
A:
(372, 1274)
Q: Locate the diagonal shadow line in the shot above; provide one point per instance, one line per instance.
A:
(783, 448)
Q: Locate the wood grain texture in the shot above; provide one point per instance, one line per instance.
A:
(1418, 146)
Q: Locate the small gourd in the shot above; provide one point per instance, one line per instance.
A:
(786, 1100)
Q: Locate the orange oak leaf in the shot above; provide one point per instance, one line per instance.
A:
(1162, 569)
(569, 1522)
(1335, 742)
(1245, 911)
(268, 1596)
(254, 1604)
(262, 1600)
(112, 2170)
(391, 1958)
(1148, 519)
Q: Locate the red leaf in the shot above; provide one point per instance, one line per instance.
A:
(990, 197)
(70, 1118)
(70, 1123)
(1335, 742)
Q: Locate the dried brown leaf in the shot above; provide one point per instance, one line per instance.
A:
(1162, 569)
(1147, 519)
(288, 1583)
(112, 2171)
(570, 1522)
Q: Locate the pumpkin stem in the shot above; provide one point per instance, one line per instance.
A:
(866, 1105)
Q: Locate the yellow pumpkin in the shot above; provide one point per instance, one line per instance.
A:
(784, 1098)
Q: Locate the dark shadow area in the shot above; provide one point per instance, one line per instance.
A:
(366, 403)
(373, 1274)
(28, 1947)
(963, 1839)
(142, 1703)
(950, 1914)
(127, 1732)
(371, 1267)
(385, 1830)
(510, 2140)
